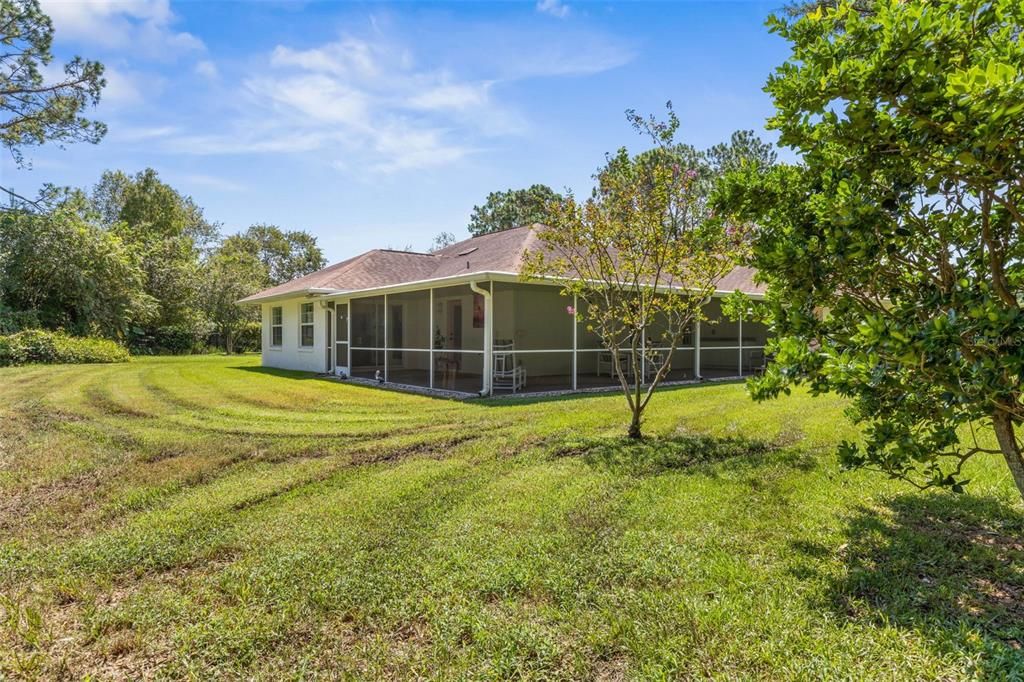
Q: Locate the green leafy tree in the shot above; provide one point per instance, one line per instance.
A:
(744, 150)
(67, 271)
(169, 233)
(513, 208)
(32, 110)
(894, 252)
(640, 256)
(442, 240)
(261, 257)
(285, 254)
(229, 274)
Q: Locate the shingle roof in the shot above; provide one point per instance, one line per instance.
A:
(497, 252)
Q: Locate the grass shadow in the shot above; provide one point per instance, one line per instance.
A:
(499, 400)
(503, 399)
(283, 373)
(948, 566)
(654, 455)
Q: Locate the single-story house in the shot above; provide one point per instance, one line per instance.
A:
(461, 319)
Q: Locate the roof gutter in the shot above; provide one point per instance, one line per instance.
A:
(488, 336)
(308, 293)
(499, 276)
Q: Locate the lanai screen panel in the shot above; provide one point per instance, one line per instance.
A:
(368, 322)
(535, 322)
(367, 336)
(458, 339)
(409, 320)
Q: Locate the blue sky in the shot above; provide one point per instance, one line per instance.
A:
(373, 124)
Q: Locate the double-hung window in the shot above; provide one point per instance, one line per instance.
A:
(276, 327)
(306, 325)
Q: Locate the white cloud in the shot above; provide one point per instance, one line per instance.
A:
(458, 96)
(211, 182)
(142, 134)
(367, 103)
(348, 57)
(123, 88)
(207, 69)
(555, 8)
(574, 55)
(137, 25)
(402, 148)
(316, 97)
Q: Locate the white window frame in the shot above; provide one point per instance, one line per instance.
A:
(278, 325)
(303, 324)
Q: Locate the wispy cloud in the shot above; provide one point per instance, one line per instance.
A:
(555, 8)
(142, 26)
(126, 88)
(207, 69)
(453, 96)
(369, 103)
(209, 181)
(143, 133)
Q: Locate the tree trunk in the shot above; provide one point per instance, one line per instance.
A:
(634, 425)
(1003, 424)
(229, 342)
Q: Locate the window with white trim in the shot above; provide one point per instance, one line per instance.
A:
(276, 327)
(306, 325)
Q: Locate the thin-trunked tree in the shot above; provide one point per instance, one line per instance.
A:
(642, 254)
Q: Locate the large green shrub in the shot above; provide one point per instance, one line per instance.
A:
(37, 345)
(181, 339)
(12, 321)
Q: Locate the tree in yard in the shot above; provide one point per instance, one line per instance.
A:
(894, 253)
(66, 271)
(743, 150)
(35, 109)
(285, 255)
(169, 233)
(642, 257)
(513, 208)
(262, 256)
(229, 274)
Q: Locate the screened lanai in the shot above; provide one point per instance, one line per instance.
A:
(435, 338)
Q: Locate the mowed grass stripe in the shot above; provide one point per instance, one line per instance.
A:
(202, 517)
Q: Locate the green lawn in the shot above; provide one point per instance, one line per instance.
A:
(198, 516)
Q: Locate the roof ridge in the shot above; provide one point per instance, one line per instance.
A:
(528, 242)
(493, 232)
(411, 253)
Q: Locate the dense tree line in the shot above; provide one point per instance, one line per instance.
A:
(134, 260)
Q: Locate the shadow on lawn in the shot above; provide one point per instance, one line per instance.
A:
(949, 567)
(286, 373)
(503, 399)
(684, 451)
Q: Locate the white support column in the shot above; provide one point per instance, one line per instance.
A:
(741, 345)
(489, 341)
(430, 336)
(575, 328)
(486, 384)
(332, 361)
(385, 337)
(348, 335)
(696, 350)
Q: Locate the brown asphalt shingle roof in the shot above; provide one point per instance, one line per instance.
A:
(496, 252)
